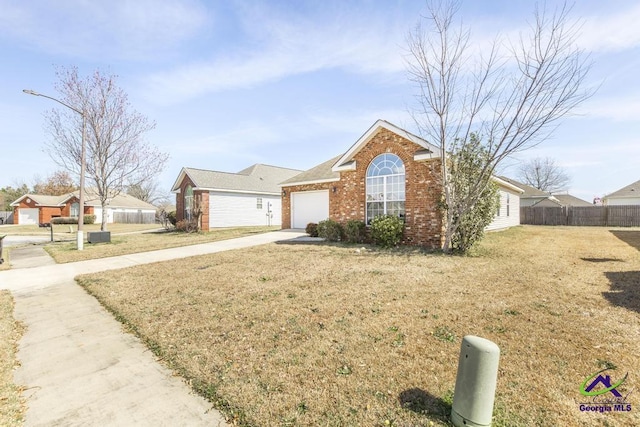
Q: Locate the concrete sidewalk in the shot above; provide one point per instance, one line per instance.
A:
(77, 365)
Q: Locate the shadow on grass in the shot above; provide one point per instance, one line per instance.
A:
(601, 259)
(400, 250)
(424, 403)
(631, 238)
(625, 289)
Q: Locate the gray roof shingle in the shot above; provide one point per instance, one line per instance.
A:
(631, 190)
(258, 178)
(322, 172)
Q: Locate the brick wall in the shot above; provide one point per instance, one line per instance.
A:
(423, 222)
(286, 199)
(201, 197)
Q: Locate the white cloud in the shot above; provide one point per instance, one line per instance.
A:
(616, 31)
(282, 45)
(101, 30)
(619, 109)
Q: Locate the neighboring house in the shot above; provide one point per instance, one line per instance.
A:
(629, 195)
(387, 171)
(249, 197)
(534, 197)
(569, 200)
(39, 209)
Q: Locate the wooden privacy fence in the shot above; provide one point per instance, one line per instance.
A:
(611, 216)
(134, 217)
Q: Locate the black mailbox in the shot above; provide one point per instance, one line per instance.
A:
(98, 236)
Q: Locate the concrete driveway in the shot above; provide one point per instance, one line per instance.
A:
(9, 241)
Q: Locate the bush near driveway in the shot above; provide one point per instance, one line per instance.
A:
(332, 335)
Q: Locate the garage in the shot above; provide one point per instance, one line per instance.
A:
(309, 206)
(27, 216)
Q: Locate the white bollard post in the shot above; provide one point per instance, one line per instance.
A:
(475, 383)
(80, 240)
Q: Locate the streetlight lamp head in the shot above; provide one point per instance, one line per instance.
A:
(30, 92)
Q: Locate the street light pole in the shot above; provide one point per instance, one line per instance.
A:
(80, 236)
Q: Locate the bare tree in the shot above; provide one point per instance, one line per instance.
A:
(511, 100)
(117, 154)
(148, 191)
(544, 174)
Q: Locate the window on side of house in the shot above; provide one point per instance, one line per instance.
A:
(188, 202)
(74, 211)
(259, 203)
(385, 187)
(507, 204)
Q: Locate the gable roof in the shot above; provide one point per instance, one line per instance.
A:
(257, 179)
(321, 173)
(529, 191)
(122, 200)
(505, 183)
(39, 199)
(569, 200)
(346, 162)
(631, 190)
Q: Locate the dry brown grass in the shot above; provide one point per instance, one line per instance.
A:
(11, 405)
(316, 335)
(123, 244)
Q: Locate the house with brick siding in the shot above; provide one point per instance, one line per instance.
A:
(40, 209)
(250, 197)
(386, 171)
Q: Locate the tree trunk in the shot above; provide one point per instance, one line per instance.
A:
(105, 216)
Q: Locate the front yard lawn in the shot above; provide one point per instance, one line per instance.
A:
(123, 244)
(331, 335)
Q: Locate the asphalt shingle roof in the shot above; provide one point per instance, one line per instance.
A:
(257, 178)
(120, 201)
(631, 190)
(321, 172)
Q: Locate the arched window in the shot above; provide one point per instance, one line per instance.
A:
(188, 202)
(385, 187)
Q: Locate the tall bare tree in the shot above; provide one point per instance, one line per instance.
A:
(117, 154)
(544, 174)
(511, 99)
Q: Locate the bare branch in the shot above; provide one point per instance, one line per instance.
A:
(117, 155)
(509, 105)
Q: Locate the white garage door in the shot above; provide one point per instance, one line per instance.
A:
(309, 206)
(27, 216)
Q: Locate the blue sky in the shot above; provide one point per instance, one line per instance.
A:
(291, 83)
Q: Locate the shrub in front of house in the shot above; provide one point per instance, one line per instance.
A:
(355, 231)
(171, 216)
(64, 220)
(187, 226)
(330, 230)
(386, 230)
(88, 219)
(312, 229)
